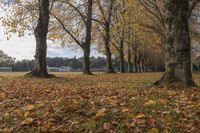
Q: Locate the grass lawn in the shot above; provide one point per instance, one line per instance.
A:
(101, 103)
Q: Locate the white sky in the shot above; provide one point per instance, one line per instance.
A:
(24, 47)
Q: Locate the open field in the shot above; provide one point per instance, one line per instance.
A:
(104, 103)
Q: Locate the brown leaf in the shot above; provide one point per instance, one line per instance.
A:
(140, 116)
(27, 121)
(106, 126)
(154, 130)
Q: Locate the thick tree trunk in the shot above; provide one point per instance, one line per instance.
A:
(178, 47)
(86, 62)
(40, 33)
(130, 65)
(86, 45)
(121, 50)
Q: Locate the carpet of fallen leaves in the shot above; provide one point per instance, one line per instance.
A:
(101, 103)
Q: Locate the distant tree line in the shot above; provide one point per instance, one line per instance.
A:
(74, 63)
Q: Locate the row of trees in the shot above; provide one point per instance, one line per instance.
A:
(129, 29)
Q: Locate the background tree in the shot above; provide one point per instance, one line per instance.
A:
(5, 60)
(104, 19)
(75, 19)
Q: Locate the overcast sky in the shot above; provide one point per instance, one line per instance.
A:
(24, 47)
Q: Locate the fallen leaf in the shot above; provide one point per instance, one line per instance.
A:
(2, 95)
(46, 127)
(165, 131)
(101, 112)
(149, 102)
(26, 114)
(125, 110)
(6, 130)
(106, 126)
(163, 101)
(154, 130)
(30, 107)
(27, 121)
(140, 116)
(170, 93)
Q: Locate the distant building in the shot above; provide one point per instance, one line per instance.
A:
(65, 69)
(53, 69)
(59, 69)
(5, 69)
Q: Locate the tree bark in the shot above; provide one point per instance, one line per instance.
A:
(143, 65)
(86, 62)
(86, 45)
(121, 50)
(178, 48)
(130, 65)
(139, 61)
(107, 48)
(40, 33)
(107, 23)
(135, 60)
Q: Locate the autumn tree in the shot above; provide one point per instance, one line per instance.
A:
(178, 44)
(20, 18)
(118, 33)
(5, 60)
(77, 26)
(104, 19)
(40, 32)
(124, 33)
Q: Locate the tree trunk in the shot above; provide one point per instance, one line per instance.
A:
(40, 33)
(86, 45)
(178, 47)
(86, 62)
(109, 60)
(107, 23)
(136, 62)
(121, 50)
(108, 51)
(143, 66)
(139, 62)
(130, 65)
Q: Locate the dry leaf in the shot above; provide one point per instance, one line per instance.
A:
(149, 102)
(101, 112)
(140, 116)
(26, 114)
(125, 110)
(27, 121)
(163, 101)
(154, 130)
(165, 131)
(106, 126)
(30, 107)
